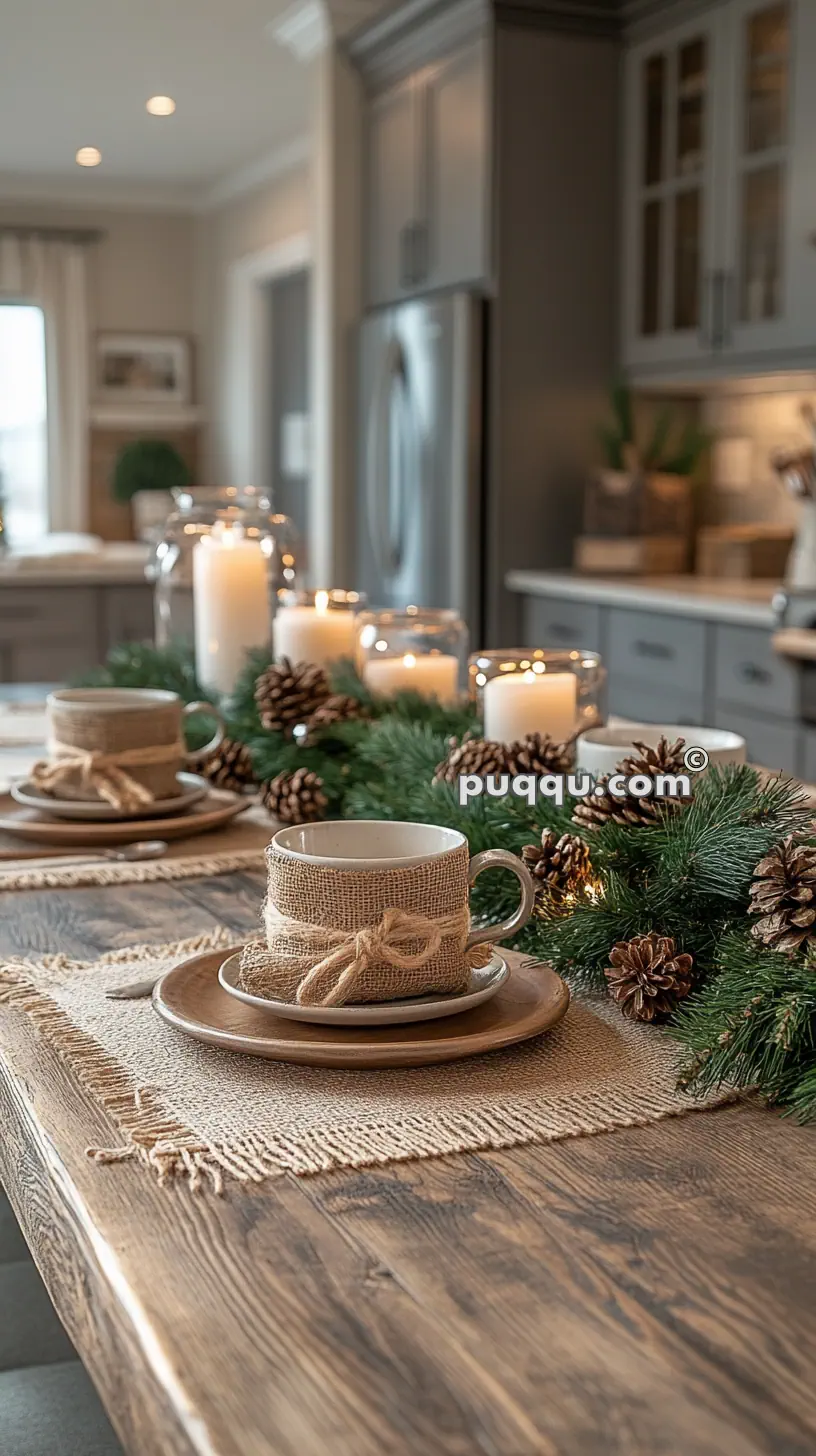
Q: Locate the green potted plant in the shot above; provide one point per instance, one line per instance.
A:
(146, 473)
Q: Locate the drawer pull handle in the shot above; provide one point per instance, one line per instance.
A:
(751, 672)
(660, 650)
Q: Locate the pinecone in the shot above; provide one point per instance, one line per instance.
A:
(339, 708)
(648, 976)
(560, 865)
(472, 755)
(600, 807)
(230, 766)
(288, 694)
(783, 893)
(536, 754)
(666, 758)
(295, 798)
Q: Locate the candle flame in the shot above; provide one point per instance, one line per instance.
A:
(409, 660)
(321, 601)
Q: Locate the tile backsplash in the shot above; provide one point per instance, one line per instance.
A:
(763, 420)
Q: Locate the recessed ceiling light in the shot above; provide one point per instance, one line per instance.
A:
(161, 106)
(89, 156)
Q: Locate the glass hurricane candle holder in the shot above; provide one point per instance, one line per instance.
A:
(195, 515)
(520, 691)
(416, 650)
(316, 626)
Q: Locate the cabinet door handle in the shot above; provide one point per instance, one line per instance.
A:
(420, 251)
(719, 309)
(751, 672)
(406, 265)
(660, 651)
(707, 311)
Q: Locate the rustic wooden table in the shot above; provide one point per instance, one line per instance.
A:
(648, 1291)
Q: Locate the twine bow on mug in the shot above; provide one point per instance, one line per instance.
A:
(351, 952)
(104, 773)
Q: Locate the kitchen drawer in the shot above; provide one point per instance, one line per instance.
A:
(749, 672)
(772, 743)
(657, 650)
(645, 704)
(127, 614)
(807, 760)
(547, 622)
(46, 613)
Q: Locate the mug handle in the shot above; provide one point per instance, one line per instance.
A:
(490, 859)
(218, 736)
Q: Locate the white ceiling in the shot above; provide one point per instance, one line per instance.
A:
(78, 73)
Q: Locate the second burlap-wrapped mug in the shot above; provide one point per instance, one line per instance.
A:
(122, 745)
(372, 910)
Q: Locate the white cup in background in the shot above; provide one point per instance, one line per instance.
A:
(600, 750)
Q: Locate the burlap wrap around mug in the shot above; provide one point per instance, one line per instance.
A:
(358, 912)
(122, 745)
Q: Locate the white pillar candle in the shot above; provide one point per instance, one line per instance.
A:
(518, 703)
(230, 604)
(317, 634)
(434, 674)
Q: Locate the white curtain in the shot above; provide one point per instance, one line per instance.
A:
(50, 272)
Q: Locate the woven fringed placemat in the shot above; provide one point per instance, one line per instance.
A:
(193, 1112)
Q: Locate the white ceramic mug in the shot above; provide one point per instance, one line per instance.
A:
(377, 846)
(599, 751)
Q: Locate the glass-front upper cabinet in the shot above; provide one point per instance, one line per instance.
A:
(720, 243)
(672, 131)
(770, 193)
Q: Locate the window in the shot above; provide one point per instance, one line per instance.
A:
(23, 435)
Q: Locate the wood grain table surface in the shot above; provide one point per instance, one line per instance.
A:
(647, 1291)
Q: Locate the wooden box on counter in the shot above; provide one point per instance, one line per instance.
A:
(630, 555)
(739, 553)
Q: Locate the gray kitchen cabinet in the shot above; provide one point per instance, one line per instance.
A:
(772, 743)
(719, 258)
(661, 652)
(748, 673)
(427, 141)
(127, 614)
(55, 633)
(547, 623)
(643, 703)
(393, 190)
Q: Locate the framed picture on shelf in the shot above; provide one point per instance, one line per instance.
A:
(143, 369)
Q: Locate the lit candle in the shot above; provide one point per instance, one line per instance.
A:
(317, 634)
(230, 604)
(434, 674)
(518, 703)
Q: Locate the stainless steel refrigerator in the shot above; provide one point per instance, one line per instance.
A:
(419, 529)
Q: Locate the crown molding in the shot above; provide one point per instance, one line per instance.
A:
(308, 27)
(116, 195)
(286, 158)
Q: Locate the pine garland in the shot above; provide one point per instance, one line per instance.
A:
(751, 1018)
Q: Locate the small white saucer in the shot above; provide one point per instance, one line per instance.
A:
(192, 788)
(484, 983)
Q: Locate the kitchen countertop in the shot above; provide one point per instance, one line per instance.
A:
(745, 603)
(92, 569)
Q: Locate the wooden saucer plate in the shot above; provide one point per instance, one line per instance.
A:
(190, 998)
(484, 982)
(29, 824)
(192, 788)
